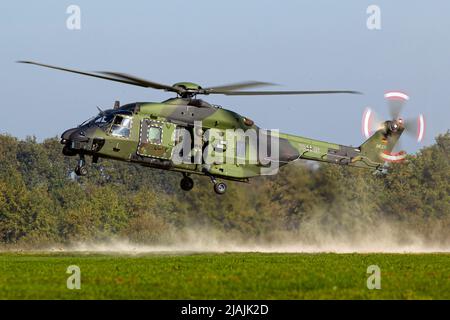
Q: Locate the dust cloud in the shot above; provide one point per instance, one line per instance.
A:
(382, 239)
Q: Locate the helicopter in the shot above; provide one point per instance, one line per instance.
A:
(193, 137)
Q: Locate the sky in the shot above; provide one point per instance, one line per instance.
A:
(301, 45)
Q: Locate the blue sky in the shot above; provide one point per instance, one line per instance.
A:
(302, 45)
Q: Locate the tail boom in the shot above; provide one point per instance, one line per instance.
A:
(372, 154)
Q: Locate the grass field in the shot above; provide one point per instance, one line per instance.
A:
(224, 276)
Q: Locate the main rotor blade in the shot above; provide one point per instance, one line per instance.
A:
(142, 82)
(129, 81)
(268, 93)
(239, 85)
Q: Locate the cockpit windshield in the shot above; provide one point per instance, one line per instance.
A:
(104, 118)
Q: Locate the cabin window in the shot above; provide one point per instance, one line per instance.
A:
(121, 126)
(154, 135)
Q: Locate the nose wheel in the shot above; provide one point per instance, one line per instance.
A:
(81, 169)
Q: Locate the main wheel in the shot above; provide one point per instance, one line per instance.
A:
(186, 184)
(220, 187)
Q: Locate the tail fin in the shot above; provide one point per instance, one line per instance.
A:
(378, 148)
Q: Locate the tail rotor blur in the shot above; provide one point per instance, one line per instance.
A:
(414, 127)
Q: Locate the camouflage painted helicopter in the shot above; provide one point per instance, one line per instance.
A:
(150, 133)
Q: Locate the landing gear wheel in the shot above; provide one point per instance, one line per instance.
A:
(186, 184)
(81, 171)
(220, 187)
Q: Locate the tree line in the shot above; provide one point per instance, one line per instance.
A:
(42, 201)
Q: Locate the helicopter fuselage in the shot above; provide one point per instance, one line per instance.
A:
(184, 134)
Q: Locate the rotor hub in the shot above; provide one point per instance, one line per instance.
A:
(396, 125)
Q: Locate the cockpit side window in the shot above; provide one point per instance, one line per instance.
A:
(121, 126)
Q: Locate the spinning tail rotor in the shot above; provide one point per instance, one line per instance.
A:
(389, 131)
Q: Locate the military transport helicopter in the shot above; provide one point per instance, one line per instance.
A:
(148, 133)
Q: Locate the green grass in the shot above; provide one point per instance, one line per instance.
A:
(225, 276)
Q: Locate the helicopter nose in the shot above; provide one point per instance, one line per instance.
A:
(66, 135)
(74, 134)
(80, 140)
